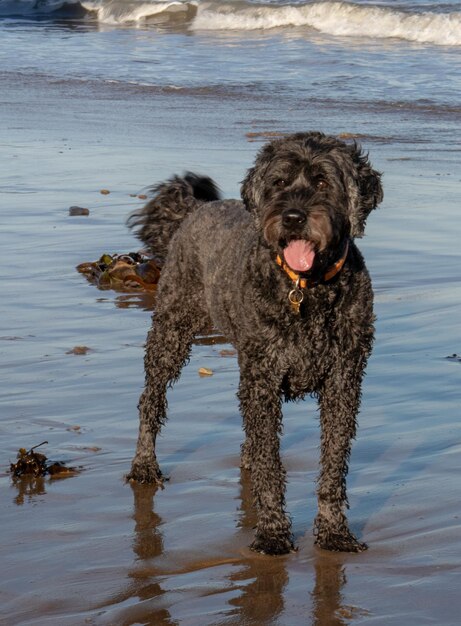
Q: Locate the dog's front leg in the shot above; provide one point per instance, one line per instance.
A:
(152, 412)
(260, 403)
(167, 349)
(339, 404)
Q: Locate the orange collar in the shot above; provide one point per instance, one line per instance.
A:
(296, 296)
(303, 282)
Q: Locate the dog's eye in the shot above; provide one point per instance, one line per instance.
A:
(281, 182)
(321, 184)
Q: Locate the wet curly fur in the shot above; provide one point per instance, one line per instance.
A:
(220, 269)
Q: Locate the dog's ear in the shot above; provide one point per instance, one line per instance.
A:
(369, 188)
(247, 190)
(253, 185)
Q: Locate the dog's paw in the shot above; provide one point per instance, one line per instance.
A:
(337, 540)
(273, 545)
(145, 472)
(340, 543)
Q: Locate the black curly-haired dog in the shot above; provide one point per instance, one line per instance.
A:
(281, 277)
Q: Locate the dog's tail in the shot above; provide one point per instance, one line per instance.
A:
(156, 223)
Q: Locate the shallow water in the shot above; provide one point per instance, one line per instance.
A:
(91, 549)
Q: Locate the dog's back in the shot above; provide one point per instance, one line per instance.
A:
(210, 251)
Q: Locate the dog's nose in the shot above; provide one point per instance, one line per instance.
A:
(293, 217)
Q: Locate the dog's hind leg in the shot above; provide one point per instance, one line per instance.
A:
(178, 319)
(339, 404)
(260, 402)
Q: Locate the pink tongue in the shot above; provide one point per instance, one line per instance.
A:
(299, 255)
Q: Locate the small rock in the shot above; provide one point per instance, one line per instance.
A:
(228, 353)
(261, 135)
(105, 192)
(205, 371)
(79, 350)
(78, 210)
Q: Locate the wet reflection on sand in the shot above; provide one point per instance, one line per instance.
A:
(256, 584)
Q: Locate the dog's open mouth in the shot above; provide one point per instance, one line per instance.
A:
(299, 254)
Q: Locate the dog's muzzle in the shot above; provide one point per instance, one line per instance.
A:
(299, 253)
(293, 218)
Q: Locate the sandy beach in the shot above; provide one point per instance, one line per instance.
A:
(91, 549)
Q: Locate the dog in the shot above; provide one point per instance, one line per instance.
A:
(280, 275)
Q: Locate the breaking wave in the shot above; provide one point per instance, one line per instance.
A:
(341, 19)
(118, 12)
(338, 19)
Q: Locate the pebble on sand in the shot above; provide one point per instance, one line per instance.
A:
(78, 210)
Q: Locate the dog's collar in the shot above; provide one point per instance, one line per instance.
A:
(296, 296)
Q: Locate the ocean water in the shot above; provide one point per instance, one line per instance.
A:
(351, 63)
(398, 46)
(119, 95)
(400, 60)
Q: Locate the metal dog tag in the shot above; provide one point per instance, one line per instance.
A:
(295, 297)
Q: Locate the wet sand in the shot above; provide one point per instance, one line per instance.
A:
(91, 549)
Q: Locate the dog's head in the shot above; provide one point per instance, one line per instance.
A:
(308, 193)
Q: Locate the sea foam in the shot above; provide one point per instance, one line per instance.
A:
(335, 18)
(117, 12)
(339, 19)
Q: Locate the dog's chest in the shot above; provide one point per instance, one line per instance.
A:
(305, 358)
